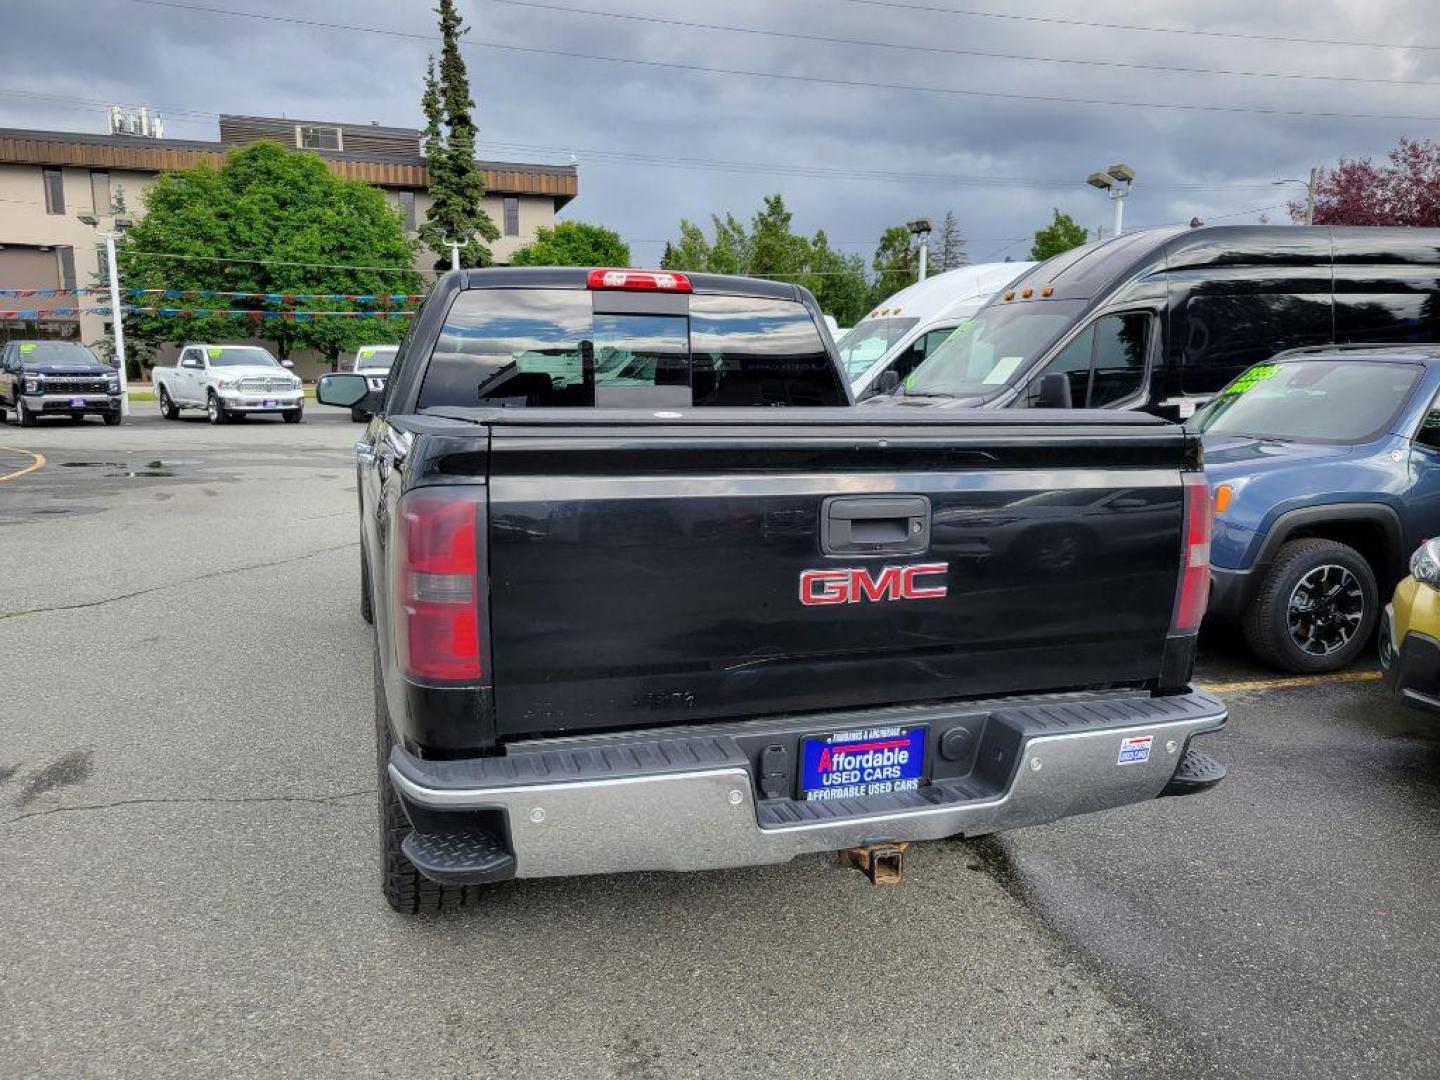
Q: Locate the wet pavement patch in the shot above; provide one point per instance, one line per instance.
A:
(74, 768)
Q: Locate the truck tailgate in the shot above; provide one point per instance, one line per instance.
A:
(690, 567)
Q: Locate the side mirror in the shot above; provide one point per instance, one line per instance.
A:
(888, 382)
(341, 389)
(287, 363)
(1054, 392)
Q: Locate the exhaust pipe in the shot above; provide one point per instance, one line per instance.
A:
(883, 864)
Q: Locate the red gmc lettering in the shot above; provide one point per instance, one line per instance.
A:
(853, 584)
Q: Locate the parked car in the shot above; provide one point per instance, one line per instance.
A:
(229, 382)
(889, 343)
(1160, 320)
(677, 637)
(56, 378)
(1410, 633)
(373, 361)
(1325, 468)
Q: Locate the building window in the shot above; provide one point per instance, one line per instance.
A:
(67, 267)
(406, 201)
(100, 191)
(512, 216)
(54, 191)
(319, 138)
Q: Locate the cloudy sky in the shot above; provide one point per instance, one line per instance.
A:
(691, 129)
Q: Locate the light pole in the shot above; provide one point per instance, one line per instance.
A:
(117, 319)
(1309, 186)
(454, 255)
(1116, 182)
(920, 229)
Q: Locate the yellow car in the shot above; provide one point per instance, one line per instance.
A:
(1410, 633)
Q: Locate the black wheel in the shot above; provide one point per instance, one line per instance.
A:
(168, 408)
(214, 410)
(367, 610)
(293, 416)
(23, 414)
(358, 417)
(112, 419)
(406, 889)
(1316, 608)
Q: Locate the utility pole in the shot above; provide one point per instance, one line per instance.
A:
(117, 321)
(1310, 196)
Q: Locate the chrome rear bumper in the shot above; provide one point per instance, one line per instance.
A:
(572, 809)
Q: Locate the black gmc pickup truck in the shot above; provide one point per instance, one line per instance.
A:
(624, 623)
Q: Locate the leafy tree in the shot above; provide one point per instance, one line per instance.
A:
(1061, 234)
(573, 243)
(269, 220)
(730, 253)
(1404, 192)
(457, 186)
(837, 280)
(896, 262)
(692, 252)
(952, 245)
(776, 252)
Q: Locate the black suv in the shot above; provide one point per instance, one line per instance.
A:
(56, 378)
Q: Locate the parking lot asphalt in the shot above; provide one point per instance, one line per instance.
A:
(187, 805)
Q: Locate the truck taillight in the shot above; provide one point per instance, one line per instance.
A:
(1195, 557)
(643, 280)
(437, 618)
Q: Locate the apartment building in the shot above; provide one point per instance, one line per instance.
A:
(51, 182)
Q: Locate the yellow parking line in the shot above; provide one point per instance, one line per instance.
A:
(39, 460)
(1290, 683)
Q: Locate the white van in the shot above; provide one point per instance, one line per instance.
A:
(903, 330)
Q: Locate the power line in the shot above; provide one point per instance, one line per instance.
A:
(945, 51)
(993, 95)
(1056, 21)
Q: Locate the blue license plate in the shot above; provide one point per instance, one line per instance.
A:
(77, 402)
(865, 761)
(268, 404)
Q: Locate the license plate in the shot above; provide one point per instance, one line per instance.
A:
(77, 402)
(865, 761)
(270, 404)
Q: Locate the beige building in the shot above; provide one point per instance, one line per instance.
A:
(50, 180)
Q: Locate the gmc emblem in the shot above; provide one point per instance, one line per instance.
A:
(854, 584)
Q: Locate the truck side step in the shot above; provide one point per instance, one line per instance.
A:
(459, 858)
(1197, 772)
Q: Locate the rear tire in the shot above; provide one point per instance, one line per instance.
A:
(1277, 625)
(168, 408)
(406, 889)
(367, 610)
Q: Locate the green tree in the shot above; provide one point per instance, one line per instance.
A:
(1061, 234)
(896, 262)
(573, 243)
(952, 245)
(692, 252)
(775, 251)
(837, 280)
(457, 187)
(269, 220)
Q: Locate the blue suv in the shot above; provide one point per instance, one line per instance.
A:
(1324, 465)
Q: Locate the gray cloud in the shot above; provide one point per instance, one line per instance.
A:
(193, 64)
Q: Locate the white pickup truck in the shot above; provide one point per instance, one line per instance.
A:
(228, 382)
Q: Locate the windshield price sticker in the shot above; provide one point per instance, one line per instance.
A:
(29, 346)
(867, 761)
(1257, 374)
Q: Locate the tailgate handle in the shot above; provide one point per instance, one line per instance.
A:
(875, 525)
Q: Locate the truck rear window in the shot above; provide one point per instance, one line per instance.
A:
(548, 348)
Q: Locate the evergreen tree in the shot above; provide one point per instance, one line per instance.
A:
(952, 244)
(457, 187)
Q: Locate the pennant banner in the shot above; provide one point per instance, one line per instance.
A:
(382, 299)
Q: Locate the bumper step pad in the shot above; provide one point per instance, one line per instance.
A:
(1197, 772)
(462, 858)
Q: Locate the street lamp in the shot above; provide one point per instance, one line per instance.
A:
(920, 229)
(1309, 186)
(1116, 182)
(117, 320)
